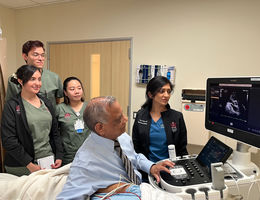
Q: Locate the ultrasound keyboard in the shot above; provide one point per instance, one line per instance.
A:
(186, 172)
(192, 171)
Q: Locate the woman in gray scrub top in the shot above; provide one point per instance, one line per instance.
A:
(69, 114)
(29, 129)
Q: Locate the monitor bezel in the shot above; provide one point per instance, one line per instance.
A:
(237, 134)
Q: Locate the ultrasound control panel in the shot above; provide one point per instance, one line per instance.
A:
(197, 170)
(186, 172)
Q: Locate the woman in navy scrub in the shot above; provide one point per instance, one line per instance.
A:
(157, 125)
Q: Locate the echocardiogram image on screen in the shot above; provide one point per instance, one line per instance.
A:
(234, 103)
(231, 105)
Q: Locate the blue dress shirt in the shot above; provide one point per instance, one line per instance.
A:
(97, 165)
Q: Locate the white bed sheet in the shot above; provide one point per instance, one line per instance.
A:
(47, 184)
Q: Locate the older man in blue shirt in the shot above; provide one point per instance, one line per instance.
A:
(97, 169)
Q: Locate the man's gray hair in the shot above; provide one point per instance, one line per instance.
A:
(96, 111)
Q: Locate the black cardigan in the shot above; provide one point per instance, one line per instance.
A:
(174, 125)
(17, 138)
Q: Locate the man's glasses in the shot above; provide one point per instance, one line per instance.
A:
(36, 55)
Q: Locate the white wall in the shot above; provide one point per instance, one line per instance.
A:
(8, 44)
(202, 38)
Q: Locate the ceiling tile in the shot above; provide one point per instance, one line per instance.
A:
(19, 4)
(48, 1)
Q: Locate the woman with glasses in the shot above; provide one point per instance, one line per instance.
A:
(69, 114)
(33, 53)
(157, 125)
(29, 128)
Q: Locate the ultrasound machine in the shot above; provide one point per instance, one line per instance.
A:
(233, 110)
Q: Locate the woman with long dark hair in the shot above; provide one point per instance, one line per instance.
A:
(29, 127)
(70, 118)
(157, 125)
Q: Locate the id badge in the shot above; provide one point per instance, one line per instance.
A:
(79, 126)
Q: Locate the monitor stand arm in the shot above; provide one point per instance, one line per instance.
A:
(242, 160)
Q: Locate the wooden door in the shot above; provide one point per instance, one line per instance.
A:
(75, 59)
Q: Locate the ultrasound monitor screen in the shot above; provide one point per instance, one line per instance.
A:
(233, 108)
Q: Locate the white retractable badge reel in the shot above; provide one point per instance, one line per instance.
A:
(79, 126)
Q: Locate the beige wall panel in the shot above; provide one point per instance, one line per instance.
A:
(8, 25)
(3, 57)
(196, 132)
